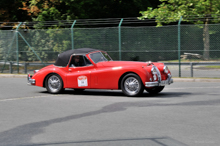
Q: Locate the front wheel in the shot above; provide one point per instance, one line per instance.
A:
(131, 85)
(54, 84)
(154, 90)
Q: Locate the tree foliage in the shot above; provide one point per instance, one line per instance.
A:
(14, 10)
(193, 11)
(171, 11)
(47, 10)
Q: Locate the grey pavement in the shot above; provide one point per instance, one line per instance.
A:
(183, 114)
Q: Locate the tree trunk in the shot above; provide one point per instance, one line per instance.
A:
(206, 40)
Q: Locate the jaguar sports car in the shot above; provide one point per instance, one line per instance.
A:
(87, 68)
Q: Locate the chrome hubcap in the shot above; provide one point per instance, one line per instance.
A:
(131, 85)
(54, 83)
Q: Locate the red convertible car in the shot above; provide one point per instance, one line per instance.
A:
(87, 68)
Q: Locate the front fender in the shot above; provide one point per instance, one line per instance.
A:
(140, 71)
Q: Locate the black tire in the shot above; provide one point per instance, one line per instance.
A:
(54, 84)
(132, 85)
(155, 90)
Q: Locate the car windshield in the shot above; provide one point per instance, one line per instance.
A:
(100, 57)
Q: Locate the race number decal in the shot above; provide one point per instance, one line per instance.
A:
(82, 81)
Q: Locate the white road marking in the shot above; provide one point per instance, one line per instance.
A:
(22, 98)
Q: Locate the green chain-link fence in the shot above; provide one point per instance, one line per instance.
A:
(145, 43)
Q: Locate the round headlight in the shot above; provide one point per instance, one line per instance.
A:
(155, 77)
(153, 70)
(165, 69)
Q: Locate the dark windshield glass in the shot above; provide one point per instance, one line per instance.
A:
(100, 57)
(106, 56)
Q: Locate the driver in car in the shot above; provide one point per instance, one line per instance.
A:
(75, 61)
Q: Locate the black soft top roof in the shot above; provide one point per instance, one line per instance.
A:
(63, 58)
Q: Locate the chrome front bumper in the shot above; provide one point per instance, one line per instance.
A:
(159, 82)
(30, 81)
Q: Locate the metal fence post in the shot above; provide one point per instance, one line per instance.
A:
(191, 68)
(119, 38)
(10, 67)
(25, 67)
(72, 36)
(179, 46)
(17, 51)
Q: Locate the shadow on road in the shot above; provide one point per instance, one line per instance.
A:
(90, 92)
(156, 141)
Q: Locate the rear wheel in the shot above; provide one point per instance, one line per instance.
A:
(155, 90)
(54, 84)
(131, 85)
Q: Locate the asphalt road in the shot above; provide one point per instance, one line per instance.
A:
(185, 113)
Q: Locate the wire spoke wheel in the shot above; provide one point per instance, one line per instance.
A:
(54, 84)
(132, 85)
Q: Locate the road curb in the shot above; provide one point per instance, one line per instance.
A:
(194, 80)
(174, 79)
(12, 76)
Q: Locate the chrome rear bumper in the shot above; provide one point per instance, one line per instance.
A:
(159, 82)
(30, 81)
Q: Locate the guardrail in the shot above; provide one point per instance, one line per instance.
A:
(191, 64)
(23, 64)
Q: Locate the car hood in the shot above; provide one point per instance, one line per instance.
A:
(128, 63)
(123, 63)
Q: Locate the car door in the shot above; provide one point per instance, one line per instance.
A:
(79, 76)
(103, 76)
